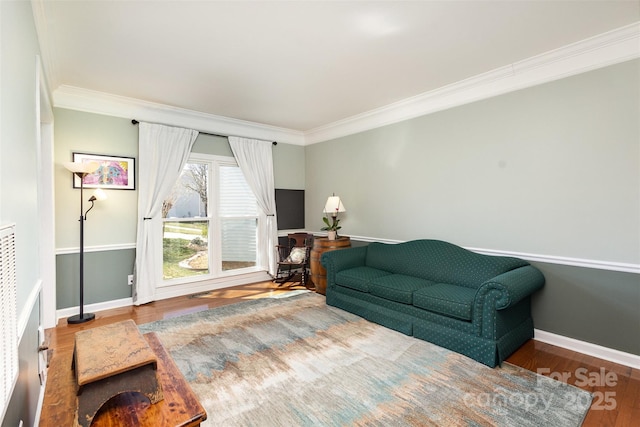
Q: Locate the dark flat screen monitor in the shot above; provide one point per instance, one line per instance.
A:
(290, 209)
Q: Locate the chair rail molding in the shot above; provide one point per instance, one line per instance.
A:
(95, 248)
(551, 259)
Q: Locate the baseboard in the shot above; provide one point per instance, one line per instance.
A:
(90, 308)
(170, 292)
(610, 354)
(36, 421)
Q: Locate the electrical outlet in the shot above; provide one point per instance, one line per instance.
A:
(130, 280)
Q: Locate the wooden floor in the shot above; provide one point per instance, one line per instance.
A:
(616, 387)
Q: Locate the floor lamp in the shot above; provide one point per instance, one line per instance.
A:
(81, 170)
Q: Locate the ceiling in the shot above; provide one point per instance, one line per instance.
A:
(300, 65)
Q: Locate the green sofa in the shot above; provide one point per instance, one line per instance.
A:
(477, 305)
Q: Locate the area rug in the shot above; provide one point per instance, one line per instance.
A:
(298, 362)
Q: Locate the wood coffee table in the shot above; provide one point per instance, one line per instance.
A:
(180, 406)
(110, 360)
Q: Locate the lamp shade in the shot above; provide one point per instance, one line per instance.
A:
(100, 194)
(334, 205)
(79, 167)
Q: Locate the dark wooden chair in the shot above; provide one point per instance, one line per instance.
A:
(293, 259)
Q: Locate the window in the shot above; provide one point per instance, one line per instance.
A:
(210, 222)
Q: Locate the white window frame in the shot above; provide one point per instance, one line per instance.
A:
(214, 163)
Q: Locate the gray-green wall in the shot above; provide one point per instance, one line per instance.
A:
(552, 170)
(110, 229)
(19, 187)
(591, 305)
(105, 276)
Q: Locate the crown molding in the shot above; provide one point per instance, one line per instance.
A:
(91, 101)
(606, 49)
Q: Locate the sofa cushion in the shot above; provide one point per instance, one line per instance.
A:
(397, 287)
(358, 278)
(443, 298)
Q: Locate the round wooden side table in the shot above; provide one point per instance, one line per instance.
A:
(320, 246)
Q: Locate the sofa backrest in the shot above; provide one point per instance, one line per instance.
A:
(439, 261)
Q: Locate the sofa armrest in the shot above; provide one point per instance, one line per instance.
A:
(512, 287)
(343, 259)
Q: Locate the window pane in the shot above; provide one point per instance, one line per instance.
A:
(185, 249)
(236, 198)
(189, 197)
(238, 243)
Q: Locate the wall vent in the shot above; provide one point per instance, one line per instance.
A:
(8, 315)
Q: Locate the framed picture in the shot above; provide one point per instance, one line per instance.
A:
(113, 173)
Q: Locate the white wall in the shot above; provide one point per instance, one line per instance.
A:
(19, 186)
(18, 159)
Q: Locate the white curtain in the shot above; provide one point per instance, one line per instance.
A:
(255, 160)
(163, 152)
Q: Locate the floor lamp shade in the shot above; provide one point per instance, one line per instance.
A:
(82, 167)
(81, 170)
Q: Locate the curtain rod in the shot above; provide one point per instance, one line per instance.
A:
(135, 122)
